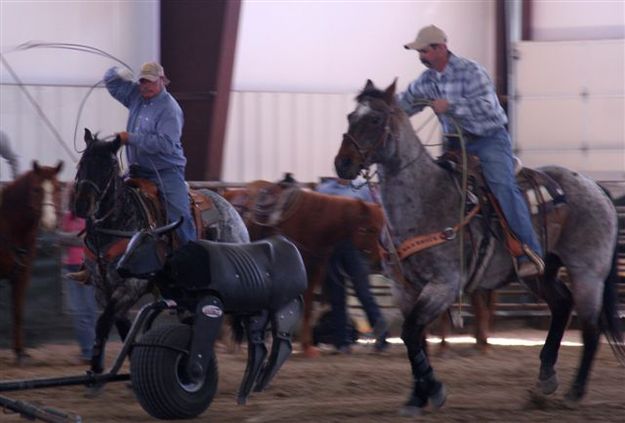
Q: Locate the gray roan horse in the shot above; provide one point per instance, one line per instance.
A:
(420, 197)
(112, 207)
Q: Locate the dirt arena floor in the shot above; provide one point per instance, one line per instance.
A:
(360, 387)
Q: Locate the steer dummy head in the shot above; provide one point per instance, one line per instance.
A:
(146, 252)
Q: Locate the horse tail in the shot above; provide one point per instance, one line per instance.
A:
(610, 316)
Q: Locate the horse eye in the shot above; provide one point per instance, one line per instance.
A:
(375, 120)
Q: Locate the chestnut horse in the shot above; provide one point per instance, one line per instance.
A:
(315, 223)
(26, 204)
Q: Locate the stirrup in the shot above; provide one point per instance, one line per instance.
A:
(534, 258)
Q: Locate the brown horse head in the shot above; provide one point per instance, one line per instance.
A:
(34, 198)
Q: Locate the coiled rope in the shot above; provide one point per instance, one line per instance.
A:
(62, 46)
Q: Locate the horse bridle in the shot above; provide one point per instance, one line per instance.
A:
(101, 194)
(365, 154)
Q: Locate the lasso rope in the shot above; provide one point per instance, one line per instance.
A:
(63, 46)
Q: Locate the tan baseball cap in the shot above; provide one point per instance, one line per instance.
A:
(151, 71)
(426, 36)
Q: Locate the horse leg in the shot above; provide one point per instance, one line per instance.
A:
(590, 336)
(123, 325)
(18, 300)
(444, 325)
(425, 385)
(102, 330)
(588, 305)
(482, 317)
(315, 274)
(560, 301)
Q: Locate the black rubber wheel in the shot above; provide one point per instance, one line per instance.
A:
(159, 380)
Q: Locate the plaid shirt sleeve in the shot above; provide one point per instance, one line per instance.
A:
(473, 101)
(469, 91)
(422, 88)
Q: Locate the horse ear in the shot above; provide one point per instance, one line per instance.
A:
(369, 85)
(59, 166)
(389, 93)
(88, 137)
(36, 166)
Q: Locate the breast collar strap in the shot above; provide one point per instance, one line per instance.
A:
(422, 242)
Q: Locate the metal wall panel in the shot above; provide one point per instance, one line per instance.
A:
(32, 139)
(569, 106)
(272, 133)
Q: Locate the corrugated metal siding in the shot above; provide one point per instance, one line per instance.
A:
(569, 105)
(270, 133)
(32, 139)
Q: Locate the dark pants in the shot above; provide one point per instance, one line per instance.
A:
(347, 261)
(82, 306)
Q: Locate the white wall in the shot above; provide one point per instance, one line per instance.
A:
(567, 20)
(297, 46)
(570, 104)
(128, 30)
(335, 46)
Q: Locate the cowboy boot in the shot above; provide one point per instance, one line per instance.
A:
(530, 265)
(82, 276)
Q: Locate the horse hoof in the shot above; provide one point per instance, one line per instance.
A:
(411, 411)
(573, 396)
(438, 399)
(311, 352)
(548, 386)
(23, 359)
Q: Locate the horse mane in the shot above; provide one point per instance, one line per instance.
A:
(371, 92)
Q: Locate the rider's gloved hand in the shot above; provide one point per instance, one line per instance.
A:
(124, 73)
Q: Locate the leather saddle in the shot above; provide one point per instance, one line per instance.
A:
(275, 204)
(203, 209)
(544, 197)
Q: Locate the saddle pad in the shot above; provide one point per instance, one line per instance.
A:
(275, 206)
(541, 192)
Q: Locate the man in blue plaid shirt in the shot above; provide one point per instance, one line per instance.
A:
(462, 89)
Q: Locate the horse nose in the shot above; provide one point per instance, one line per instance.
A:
(343, 166)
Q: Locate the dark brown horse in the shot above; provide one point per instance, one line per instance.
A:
(315, 223)
(26, 204)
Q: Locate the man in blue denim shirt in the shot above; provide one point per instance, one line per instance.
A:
(152, 138)
(462, 89)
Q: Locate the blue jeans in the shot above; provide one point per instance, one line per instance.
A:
(497, 160)
(82, 306)
(347, 259)
(174, 193)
